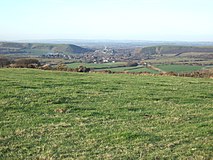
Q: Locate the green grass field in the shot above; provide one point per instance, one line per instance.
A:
(117, 67)
(133, 69)
(178, 68)
(96, 66)
(114, 67)
(184, 58)
(63, 115)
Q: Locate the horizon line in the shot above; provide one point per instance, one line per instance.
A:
(106, 39)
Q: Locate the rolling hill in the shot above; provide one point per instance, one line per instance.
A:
(171, 49)
(38, 48)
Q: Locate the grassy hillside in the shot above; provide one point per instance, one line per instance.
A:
(38, 48)
(120, 67)
(62, 115)
(188, 55)
(164, 49)
(97, 66)
(114, 67)
(179, 68)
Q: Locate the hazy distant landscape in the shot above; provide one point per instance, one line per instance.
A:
(115, 56)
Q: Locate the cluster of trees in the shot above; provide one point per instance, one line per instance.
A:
(19, 63)
(131, 64)
(4, 62)
(34, 63)
(25, 63)
(63, 67)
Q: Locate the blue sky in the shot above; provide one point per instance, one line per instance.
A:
(183, 20)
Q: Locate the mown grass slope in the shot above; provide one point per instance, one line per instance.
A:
(62, 115)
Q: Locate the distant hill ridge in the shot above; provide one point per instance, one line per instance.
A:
(12, 47)
(167, 49)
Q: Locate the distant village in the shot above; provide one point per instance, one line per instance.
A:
(105, 55)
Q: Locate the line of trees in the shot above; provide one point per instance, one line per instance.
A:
(19, 63)
(34, 63)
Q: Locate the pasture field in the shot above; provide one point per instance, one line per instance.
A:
(178, 68)
(184, 58)
(118, 67)
(133, 69)
(96, 66)
(114, 67)
(64, 115)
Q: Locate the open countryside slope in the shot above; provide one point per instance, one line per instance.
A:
(170, 49)
(114, 67)
(199, 55)
(39, 48)
(62, 115)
